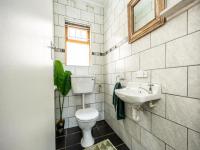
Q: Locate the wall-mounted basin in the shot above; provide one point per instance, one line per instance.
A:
(139, 93)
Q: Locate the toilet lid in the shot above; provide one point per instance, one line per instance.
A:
(86, 114)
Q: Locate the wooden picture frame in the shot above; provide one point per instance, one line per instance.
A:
(150, 26)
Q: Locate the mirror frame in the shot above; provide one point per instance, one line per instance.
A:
(150, 26)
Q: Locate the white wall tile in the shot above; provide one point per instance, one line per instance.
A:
(81, 5)
(89, 98)
(55, 19)
(70, 68)
(141, 44)
(98, 38)
(132, 128)
(99, 78)
(125, 50)
(193, 140)
(87, 16)
(120, 66)
(169, 147)
(172, 29)
(81, 70)
(194, 19)
(183, 51)
(75, 100)
(132, 63)
(61, 100)
(95, 69)
(61, 43)
(72, 12)
(65, 112)
(172, 80)
(59, 9)
(61, 20)
(66, 123)
(145, 121)
(56, 43)
(60, 56)
(99, 97)
(136, 145)
(97, 106)
(72, 122)
(173, 134)
(194, 81)
(98, 19)
(159, 108)
(57, 114)
(184, 111)
(59, 31)
(150, 142)
(66, 2)
(95, 47)
(153, 58)
(96, 28)
(71, 111)
(115, 55)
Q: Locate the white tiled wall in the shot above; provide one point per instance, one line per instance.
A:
(171, 54)
(78, 11)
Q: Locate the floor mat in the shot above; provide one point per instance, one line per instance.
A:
(104, 145)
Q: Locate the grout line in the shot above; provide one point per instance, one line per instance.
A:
(187, 81)
(142, 128)
(182, 96)
(150, 40)
(187, 22)
(139, 61)
(120, 144)
(60, 136)
(165, 106)
(176, 123)
(187, 137)
(165, 55)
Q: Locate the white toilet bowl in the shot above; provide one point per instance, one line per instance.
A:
(86, 120)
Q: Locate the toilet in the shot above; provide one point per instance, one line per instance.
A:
(86, 117)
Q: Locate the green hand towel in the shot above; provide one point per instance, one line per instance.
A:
(118, 103)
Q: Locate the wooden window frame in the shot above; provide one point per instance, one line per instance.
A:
(149, 27)
(77, 41)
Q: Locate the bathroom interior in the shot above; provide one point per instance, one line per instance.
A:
(100, 75)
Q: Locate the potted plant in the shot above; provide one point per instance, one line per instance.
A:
(62, 81)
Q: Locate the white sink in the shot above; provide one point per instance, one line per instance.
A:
(139, 93)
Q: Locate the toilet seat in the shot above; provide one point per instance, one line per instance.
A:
(87, 114)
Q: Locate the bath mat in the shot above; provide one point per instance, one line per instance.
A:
(104, 145)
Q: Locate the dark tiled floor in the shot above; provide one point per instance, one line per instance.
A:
(70, 140)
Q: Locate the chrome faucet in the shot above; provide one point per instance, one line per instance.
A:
(150, 88)
(150, 84)
(145, 90)
(148, 91)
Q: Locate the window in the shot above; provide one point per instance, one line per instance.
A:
(77, 45)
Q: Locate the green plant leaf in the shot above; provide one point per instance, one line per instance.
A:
(62, 79)
(66, 84)
(58, 74)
